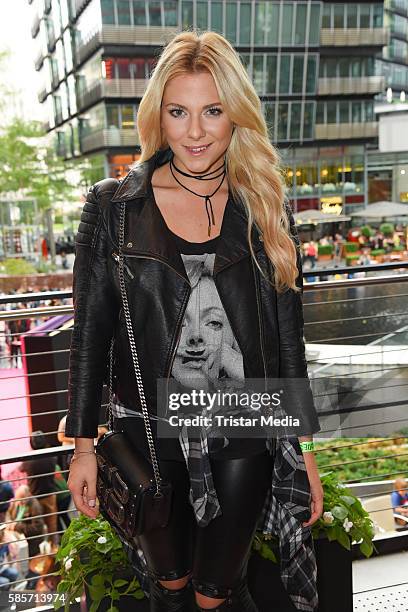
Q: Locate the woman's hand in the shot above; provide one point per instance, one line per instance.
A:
(316, 489)
(82, 484)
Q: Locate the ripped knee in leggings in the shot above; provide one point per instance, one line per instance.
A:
(211, 590)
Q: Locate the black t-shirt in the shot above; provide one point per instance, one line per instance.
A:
(207, 348)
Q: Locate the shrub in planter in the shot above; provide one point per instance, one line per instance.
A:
(325, 249)
(91, 557)
(377, 252)
(367, 231)
(387, 229)
(398, 248)
(352, 260)
(343, 521)
(351, 247)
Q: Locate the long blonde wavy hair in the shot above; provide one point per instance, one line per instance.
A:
(252, 162)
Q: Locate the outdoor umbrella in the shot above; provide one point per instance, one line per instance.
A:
(317, 216)
(383, 210)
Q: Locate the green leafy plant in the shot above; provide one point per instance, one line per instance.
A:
(387, 229)
(325, 249)
(91, 555)
(375, 252)
(351, 247)
(344, 519)
(16, 267)
(367, 231)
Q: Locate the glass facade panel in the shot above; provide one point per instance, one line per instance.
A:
(112, 116)
(260, 22)
(128, 117)
(283, 121)
(245, 23)
(297, 78)
(344, 107)
(272, 23)
(269, 111)
(287, 24)
(356, 112)
(338, 15)
(314, 27)
(216, 17)
(364, 15)
(284, 78)
(123, 7)
(295, 114)
(311, 80)
(378, 16)
(320, 116)
(308, 121)
(154, 14)
(170, 14)
(139, 13)
(352, 15)
(301, 20)
(271, 69)
(202, 15)
(326, 18)
(231, 25)
(331, 112)
(258, 74)
(187, 14)
(108, 12)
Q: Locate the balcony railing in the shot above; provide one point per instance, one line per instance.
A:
(353, 318)
(35, 28)
(339, 37)
(115, 88)
(342, 131)
(113, 137)
(39, 60)
(350, 85)
(42, 94)
(116, 35)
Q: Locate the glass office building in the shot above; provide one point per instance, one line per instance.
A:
(312, 63)
(393, 61)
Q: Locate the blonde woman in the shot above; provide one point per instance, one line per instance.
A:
(207, 184)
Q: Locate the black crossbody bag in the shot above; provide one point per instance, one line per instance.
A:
(132, 495)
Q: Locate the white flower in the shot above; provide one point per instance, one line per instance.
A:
(328, 517)
(347, 524)
(101, 540)
(73, 551)
(68, 564)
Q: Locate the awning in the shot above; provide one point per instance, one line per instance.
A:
(305, 217)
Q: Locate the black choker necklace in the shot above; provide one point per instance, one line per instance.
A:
(202, 177)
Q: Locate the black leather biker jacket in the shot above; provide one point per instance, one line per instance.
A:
(268, 326)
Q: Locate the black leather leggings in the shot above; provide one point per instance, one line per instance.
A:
(216, 554)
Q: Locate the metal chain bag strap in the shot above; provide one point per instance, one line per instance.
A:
(132, 495)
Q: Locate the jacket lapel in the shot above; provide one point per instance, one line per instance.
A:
(146, 233)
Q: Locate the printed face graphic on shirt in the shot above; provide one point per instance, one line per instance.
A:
(207, 350)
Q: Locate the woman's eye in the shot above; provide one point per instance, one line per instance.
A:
(215, 324)
(217, 112)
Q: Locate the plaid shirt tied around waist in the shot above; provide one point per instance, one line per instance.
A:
(287, 505)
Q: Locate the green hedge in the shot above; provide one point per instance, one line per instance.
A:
(351, 258)
(325, 249)
(387, 229)
(351, 247)
(398, 248)
(367, 231)
(377, 252)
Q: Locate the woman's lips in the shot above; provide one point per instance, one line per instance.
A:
(198, 153)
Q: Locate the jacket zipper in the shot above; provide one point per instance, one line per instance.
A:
(259, 316)
(181, 315)
(126, 267)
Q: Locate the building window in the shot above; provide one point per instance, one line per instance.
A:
(284, 78)
(311, 74)
(301, 20)
(260, 22)
(139, 13)
(155, 14)
(112, 116)
(108, 12)
(202, 15)
(308, 120)
(123, 7)
(271, 69)
(283, 121)
(216, 17)
(364, 15)
(326, 19)
(297, 78)
(170, 14)
(295, 116)
(187, 14)
(272, 23)
(352, 15)
(245, 23)
(287, 24)
(231, 25)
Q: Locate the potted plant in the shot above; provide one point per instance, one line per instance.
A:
(325, 252)
(344, 520)
(352, 260)
(378, 254)
(91, 558)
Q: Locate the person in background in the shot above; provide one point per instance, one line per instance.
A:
(64, 441)
(399, 499)
(6, 494)
(40, 486)
(7, 572)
